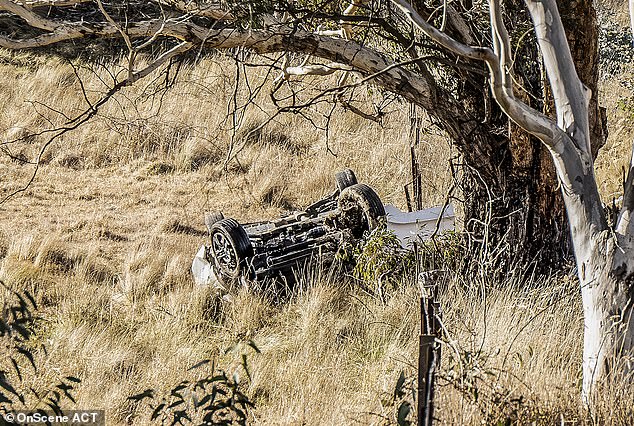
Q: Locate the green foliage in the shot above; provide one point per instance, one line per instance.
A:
(381, 260)
(627, 106)
(215, 399)
(468, 372)
(444, 251)
(402, 392)
(17, 322)
(402, 401)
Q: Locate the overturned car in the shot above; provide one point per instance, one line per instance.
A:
(274, 249)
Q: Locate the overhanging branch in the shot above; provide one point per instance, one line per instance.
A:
(531, 120)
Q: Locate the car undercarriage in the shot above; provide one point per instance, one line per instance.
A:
(271, 250)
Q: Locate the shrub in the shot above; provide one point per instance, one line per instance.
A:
(217, 398)
(381, 260)
(17, 321)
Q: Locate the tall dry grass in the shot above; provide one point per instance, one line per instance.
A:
(190, 129)
(331, 354)
(614, 157)
(105, 236)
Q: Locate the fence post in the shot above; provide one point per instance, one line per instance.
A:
(429, 351)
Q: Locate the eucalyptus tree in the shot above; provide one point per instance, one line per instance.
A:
(511, 200)
(455, 60)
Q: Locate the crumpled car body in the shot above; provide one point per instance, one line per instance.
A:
(272, 250)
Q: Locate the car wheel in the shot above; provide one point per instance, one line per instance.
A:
(360, 209)
(230, 249)
(345, 178)
(211, 218)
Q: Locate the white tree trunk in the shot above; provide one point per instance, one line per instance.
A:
(606, 283)
(605, 259)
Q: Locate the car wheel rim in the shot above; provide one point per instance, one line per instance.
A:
(224, 253)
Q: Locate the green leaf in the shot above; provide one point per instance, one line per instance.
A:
(177, 389)
(179, 415)
(203, 401)
(403, 412)
(53, 405)
(66, 388)
(148, 393)
(34, 392)
(199, 364)
(175, 404)
(398, 389)
(246, 367)
(16, 367)
(252, 344)
(21, 330)
(31, 299)
(4, 383)
(28, 355)
(157, 411)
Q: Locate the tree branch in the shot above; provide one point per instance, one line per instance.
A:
(317, 69)
(195, 8)
(93, 109)
(418, 87)
(625, 221)
(570, 95)
(30, 4)
(569, 141)
(31, 18)
(531, 120)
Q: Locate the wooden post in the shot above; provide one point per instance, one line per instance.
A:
(417, 182)
(408, 199)
(428, 355)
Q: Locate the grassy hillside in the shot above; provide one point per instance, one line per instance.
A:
(105, 235)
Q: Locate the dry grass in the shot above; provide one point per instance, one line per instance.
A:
(105, 236)
(614, 157)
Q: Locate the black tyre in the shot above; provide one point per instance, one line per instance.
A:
(345, 178)
(211, 218)
(360, 209)
(230, 249)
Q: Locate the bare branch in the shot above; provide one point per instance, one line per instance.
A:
(63, 31)
(40, 41)
(438, 36)
(195, 8)
(124, 35)
(344, 32)
(531, 120)
(29, 4)
(93, 108)
(317, 69)
(31, 18)
(501, 46)
(346, 27)
(175, 51)
(625, 221)
(331, 33)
